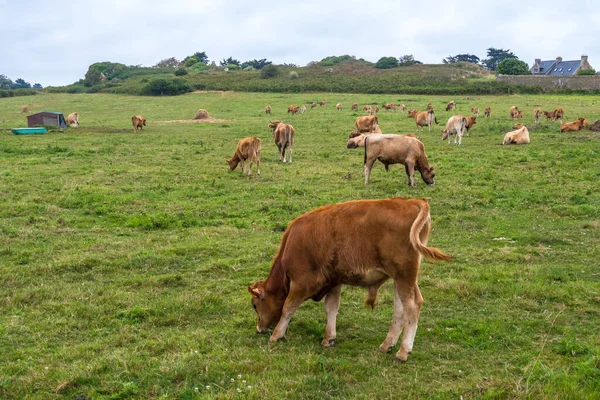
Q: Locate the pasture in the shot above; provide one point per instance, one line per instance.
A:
(124, 259)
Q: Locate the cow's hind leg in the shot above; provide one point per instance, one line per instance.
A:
(396, 328)
(332, 305)
(411, 309)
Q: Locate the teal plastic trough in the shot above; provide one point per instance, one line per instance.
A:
(29, 131)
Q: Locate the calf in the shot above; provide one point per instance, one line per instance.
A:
(574, 126)
(338, 106)
(423, 118)
(559, 113)
(451, 106)
(470, 122)
(268, 110)
(475, 111)
(398, 149)
(283, 134)
(354, 107)
(518, 136)
(246, 149)
(322, 102)
(313, 105)
(138, 122)
(537, 113)
(455, 125)
(320, 252)
(487, 112)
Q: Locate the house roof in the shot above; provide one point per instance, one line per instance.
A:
(566, 68)
(545, 66)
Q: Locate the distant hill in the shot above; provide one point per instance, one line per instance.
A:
(352, 76)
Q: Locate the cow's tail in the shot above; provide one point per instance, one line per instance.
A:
(463, 125)
(423, 219)
(365, 160)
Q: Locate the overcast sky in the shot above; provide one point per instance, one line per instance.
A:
(54, 42)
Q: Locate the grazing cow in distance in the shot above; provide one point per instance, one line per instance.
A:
(73, 120)
(138, 122)
(313, 105)
(268, 110)
(368, 109)
(574, 126)
(319, 252)
(429, 106)
(518, 136)
(366, 123)
(246, 149)
(402, 107)
(423, 118)
(559, 113)
(293, 109)
(537, 113)
(376, 110)
(322, 102)
(283, 134)
(487, 112)
(519, 114)
(303, 110)
(387, 106)
(338, 106)
(514, 110)
(455, 125)
(475, 111)
(548, 114)
(451, 106)
(470, 122)
(398, 149)
(354, 107)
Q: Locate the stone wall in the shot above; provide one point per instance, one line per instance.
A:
(553, 82)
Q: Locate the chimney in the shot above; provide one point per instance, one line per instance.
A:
(558, 60)
(538, 61)
(584, 62)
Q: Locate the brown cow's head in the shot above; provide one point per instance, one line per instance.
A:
(268, 307)
(273, 125)
(428, 175)
(144, 121)
(445, 134)
(354, 134)
(518, 126)
(233, 163)
(411, 113)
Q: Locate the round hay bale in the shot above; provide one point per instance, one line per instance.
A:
(201, 114)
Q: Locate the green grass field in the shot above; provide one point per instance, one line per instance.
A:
(124, 259)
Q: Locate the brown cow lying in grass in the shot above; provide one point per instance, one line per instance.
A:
(518, 136)
(138, 122)
(246, 149)
(398, 149)
(319, 252)
(574, 126)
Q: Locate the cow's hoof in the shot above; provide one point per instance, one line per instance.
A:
(399, 360)
(273, 339)
(328, 342)
(383, 349)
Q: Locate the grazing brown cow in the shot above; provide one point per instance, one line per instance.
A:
(303, 110)
(293, 109)
(514, 110)
(366, 123)
(470, 122)
(368, 109)
(456, 125)
(354, 107)
(358, 140)
(487, 112)
(548, 114)
(73, 120)
(518, 136)
(429, 106)
(574, 126)
(475, 111)
(388, 107)
(451, 105)
(338, 106)
(319, 252)
(519, 114)
(402, 107)
(423, 118)
(246, 149)
(322, 102)
(283, 134)
(376, 110)
(138, 122)
(537, 113)
(559, 113)
(268, 110)
(313, 105)
(398, 149)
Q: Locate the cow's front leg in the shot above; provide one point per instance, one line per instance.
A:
(292, 303)
(368, 166)
(410, 173)
(332, 305)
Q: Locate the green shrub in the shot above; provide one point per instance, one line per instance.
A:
(512, 66)
(180, 72)
(386, 63)
(166, 87)
(270, 71)
(293, 75)
(233, 67)
(199, 67)
(590, 71)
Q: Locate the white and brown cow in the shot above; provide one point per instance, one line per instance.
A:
(283, 134)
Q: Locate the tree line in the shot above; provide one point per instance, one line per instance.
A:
(7, 83)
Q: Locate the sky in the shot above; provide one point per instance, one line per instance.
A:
(54, 42)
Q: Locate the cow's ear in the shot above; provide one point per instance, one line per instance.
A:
(256, 292)
(431, 169)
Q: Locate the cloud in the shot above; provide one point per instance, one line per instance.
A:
(57, 41)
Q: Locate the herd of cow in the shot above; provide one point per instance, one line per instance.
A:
(319, 251)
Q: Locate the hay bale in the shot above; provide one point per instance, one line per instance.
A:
(595, 126)
(202, 114)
